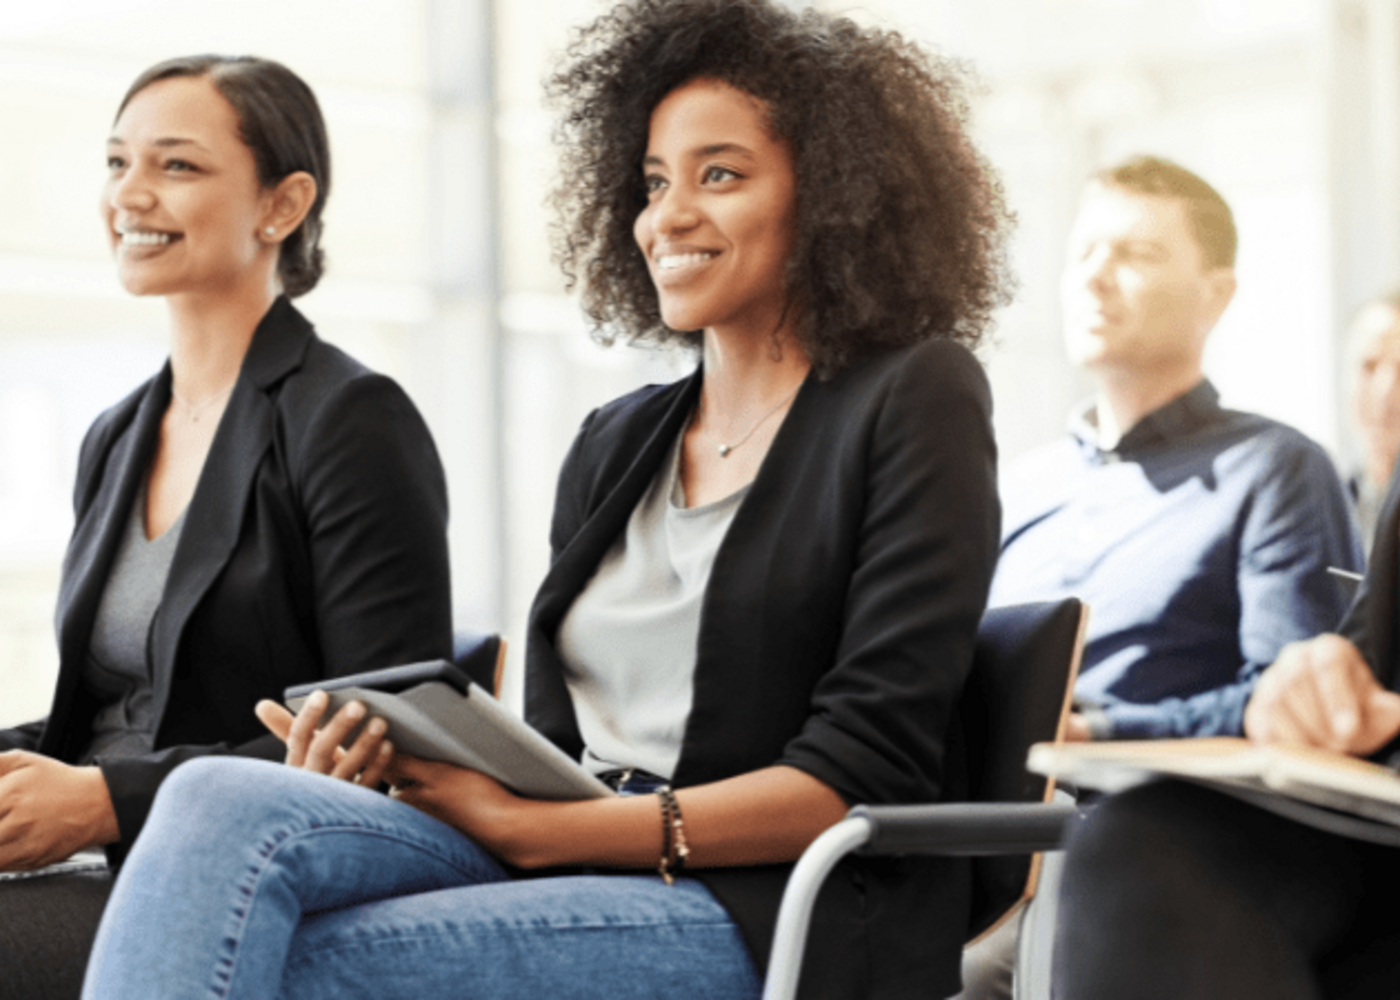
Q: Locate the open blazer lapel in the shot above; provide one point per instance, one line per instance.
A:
(215, 515)
(549, 706)
(125, 446)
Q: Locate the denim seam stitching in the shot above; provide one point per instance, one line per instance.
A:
(410, 937)
(267, 853)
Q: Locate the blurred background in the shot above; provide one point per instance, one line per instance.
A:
(436, 228)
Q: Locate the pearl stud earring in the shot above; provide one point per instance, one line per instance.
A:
(271, 231)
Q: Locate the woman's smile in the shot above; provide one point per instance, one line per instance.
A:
(145, 238)
(717, 229)
(675, 267)
(135, 244)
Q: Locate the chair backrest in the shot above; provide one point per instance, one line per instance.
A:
(481, 656)
(1018, 693)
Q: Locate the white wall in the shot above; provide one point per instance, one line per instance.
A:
(440, 272)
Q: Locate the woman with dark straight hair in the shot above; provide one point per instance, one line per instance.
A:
(265, 511)
(766, 581)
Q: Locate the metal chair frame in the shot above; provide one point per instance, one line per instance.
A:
(970, 829)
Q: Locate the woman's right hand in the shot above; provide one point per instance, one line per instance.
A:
(319, 749)
(1321, 693)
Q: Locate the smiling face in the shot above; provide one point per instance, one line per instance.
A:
(1137, 293)
(717, 229)
(182, 202)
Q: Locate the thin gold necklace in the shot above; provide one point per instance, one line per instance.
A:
(725, 449)
(194, 409)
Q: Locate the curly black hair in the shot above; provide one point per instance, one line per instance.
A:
(901, 223)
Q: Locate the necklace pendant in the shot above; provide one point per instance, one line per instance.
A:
(724, 450)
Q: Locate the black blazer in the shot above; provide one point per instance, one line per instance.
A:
(315, 545)
(1372, 620)
(836, 631)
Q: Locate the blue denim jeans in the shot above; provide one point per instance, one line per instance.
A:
(255, 880)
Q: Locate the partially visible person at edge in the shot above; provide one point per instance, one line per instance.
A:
(1200, 536)
(1176, 891)
(766, 584)
(264, 511)
(1374, 352)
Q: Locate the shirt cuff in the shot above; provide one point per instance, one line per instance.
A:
(1098, 721)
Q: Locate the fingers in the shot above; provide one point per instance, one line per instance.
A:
(1076, 728)
(408, 770)
(1341, 690)
(366, 758)
(1380, 721)
(13, 760)
(412, 780)
(275, 717)
(303, 728)
(1321, 693)
(321, 751)
(1287, 705)
(1299, 713)
(375, 771)
(420, 792)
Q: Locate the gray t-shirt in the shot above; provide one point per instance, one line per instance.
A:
(118, 672)
(628, 642)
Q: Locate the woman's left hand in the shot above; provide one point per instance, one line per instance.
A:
(478, 805)
(49, 809)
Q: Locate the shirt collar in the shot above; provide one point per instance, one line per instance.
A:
(1167, 423)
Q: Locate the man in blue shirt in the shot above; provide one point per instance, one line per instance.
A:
(1201, 537)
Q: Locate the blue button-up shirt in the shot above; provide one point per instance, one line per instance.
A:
(1201, 543)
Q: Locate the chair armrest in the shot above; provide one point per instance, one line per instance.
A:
(795, 912)
(949, 828)
(965, 828)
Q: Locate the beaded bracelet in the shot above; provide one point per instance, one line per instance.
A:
(664, 866)
(674, 849)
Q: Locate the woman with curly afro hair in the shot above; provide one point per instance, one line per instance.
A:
(900, 233)
(766, 581)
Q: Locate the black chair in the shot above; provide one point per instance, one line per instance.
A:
(1017, 694)
(481, 656)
